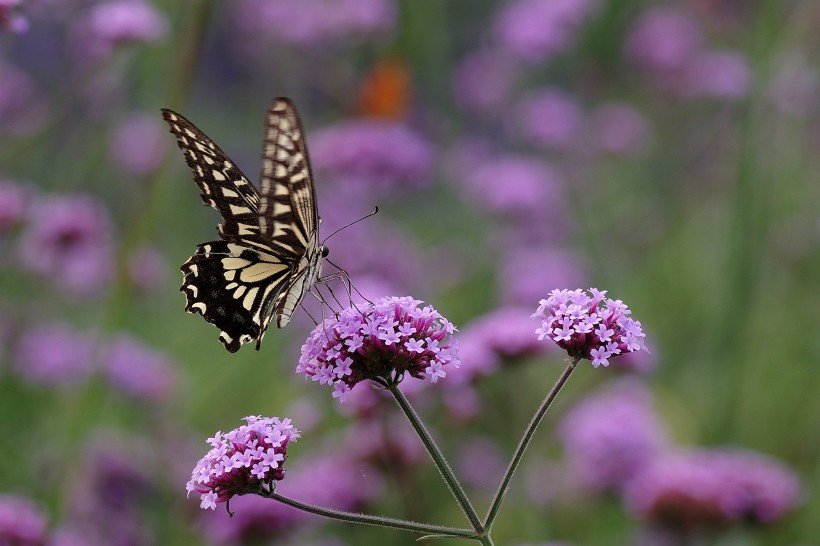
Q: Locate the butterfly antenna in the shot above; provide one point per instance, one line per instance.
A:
(365, 217)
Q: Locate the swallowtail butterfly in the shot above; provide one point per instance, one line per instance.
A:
(270, 254)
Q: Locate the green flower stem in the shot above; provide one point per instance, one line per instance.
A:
(525, 440)
(438, 458)
(378, 521)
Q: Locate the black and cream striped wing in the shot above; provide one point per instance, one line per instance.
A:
(287, 210)
(229, 285)
(221, 184)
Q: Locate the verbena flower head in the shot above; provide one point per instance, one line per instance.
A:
(247, 459)
(592, 327)
(381, 341)
(22, 522)
(373, 155)
(712, 487)
(611, 436)
(68, 239)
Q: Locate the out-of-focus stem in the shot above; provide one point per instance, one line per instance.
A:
(438, 458)
(524, 442)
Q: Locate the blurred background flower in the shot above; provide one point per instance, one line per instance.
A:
(666, 152)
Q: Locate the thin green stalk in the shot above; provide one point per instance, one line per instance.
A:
(524, 442)
(378, 521)
(438, 459)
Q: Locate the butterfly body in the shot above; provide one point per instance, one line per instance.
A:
(269, 254)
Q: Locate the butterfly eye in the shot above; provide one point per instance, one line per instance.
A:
(324, 250)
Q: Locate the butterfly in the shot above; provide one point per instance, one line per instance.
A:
(269, 254)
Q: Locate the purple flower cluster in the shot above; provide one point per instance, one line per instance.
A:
(530, 185)
(484, 79)
(114, 23)
(316, 22)
(14, 200)
(243, 460)
(54, 355)
(68, 239)
(372, 155)
(611, 436)
(550, 117)
(10, 19)
(22, 523)
(592, 327)
(534, 30)
(138, 370)
(668, 44)
(138, 144)
(712, 487)
(383, 341)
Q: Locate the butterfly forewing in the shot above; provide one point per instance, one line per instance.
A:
(270, 255)
(222, 185)
(288, 201)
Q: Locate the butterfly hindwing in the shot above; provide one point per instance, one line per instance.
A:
(231, 286)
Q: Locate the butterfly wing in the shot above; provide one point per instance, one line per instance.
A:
(288, 213)
(221, 184)
(228, 284)
(269, 255)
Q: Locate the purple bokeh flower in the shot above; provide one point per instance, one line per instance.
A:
(22, 522)
(704, 488)
(112, 492)
(68, 239)
(315, 22)
(372, 156)
(506, 331)
(11, 19)
(386, 442)
(244, 460)
(22, 109)
(138, 144)
(137, 370)
(381, 341)
(526, 272)
(592, 327)
(115, 23)
(717, 74)
(619, 129)
(484, 79)
(529, 185)
(663, 40)
(550, 118)
(147, 268)
(54, 355)
(609, 437)
(14, 202)
(481, 462)
(535, 30)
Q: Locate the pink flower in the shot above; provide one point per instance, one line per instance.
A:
(591, 327)
(247, 459)
(383, 341)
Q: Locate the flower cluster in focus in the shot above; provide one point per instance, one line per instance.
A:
(596, 328)
(382, 340)
(243, 460)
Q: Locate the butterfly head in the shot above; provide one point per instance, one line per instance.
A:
(324, 251)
